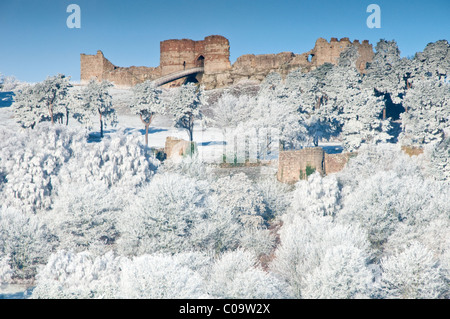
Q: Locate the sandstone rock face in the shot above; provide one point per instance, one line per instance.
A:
(213, 53)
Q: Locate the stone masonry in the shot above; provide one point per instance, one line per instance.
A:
(213, 53)
(292, 165)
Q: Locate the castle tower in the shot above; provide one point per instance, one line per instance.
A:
(212, 53)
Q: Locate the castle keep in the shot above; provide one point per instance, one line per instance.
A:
(208, 61)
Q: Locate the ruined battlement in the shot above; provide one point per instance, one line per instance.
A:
(213, 55)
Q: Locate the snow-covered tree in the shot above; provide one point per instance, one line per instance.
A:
(433, 62)
(317, 195)
(238, 193)
(164, 215)
(305, 92)
(95, 99)
(147, 103)
(439, 156)
(229, 111)
(236, 274)
(31, 162)
(305, 241)
(25, 242)
(43, 101)
(162, 276)
(83, 275)
(388, 73)
(357, 109)
(85, 219)
(342, 274)
(119, 160)
(27, 109)
(413, 273)
(427, 116)
(184, 104)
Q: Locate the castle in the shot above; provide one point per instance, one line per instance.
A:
(208, 61)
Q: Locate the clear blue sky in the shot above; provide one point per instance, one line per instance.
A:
(36, 43)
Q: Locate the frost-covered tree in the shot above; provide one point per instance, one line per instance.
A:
(384, 191)
(95, 99)
(162, 276)
(388, 73)
(277, 196)
(357, 109)
(81, 275)
(433, 62)
(305, 240)
(26, 108)
(25, 242)
(413, 273)
(230, 110)
(43, 101)
(305, 92)
(342, 274)
(11, 83)
(6, 272)
(184, 104)
(31, 162)
(147, 103)
(119, 160)
(274, 109)
(85, 219)
(236, 274)
(439, 156)
(317, 195)
(238, 193)
(428, 108)
(164, 215)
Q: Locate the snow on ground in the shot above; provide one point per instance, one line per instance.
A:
(210, 141)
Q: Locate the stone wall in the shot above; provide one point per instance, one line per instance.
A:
(176, 147)
(336, 162)
(257, 67)
(98, 67)
(213, 52)
(292, 164)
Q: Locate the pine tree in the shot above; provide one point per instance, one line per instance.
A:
(96, 100)
(185, 103)
(147, 103)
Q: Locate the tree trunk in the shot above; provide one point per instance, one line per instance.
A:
(101, 125)
(147, 125)
(191, 127)
(67, 117)
(146, 133)
(50, 112)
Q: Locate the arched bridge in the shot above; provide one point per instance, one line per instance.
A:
(177, 75)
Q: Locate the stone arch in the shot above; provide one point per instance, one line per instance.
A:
(200, 61)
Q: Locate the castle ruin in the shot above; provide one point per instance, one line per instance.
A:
(208, 61)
